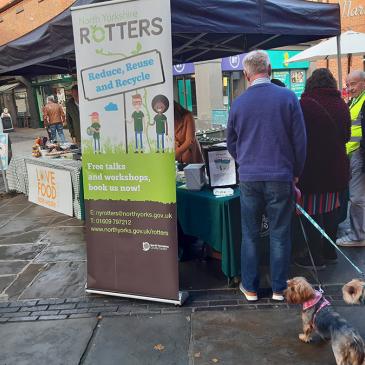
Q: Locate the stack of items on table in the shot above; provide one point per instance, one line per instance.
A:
(44, 148)
(211, 136)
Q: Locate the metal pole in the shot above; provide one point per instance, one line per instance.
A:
(125, 125)
(339, 65)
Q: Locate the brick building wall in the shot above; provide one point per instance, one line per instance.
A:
(352, 18)
(19, 17)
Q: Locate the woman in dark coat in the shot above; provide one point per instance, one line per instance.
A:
(326, 171)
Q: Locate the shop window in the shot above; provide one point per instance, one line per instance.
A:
(233, 86)
(187, 92)
(226, 90)
(21, 102)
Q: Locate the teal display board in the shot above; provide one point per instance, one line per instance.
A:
(283, 76)
(297, 81)
(293, 79)
(220, 116)
(279, 60)
(185, 94)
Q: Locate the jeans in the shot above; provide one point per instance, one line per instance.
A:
(96, 144)
(57, 128)
(162, 135)
(277, 198)
(357, 197)
(140, 139)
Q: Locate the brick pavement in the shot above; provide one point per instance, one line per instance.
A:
(100, 306)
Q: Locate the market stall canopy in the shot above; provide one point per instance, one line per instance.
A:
(351, 43)
(8, 87)
(201, 30)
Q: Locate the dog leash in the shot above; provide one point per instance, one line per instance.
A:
(325, 235)
(311, 257)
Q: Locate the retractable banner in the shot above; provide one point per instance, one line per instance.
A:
(4, 150)
(124, 63)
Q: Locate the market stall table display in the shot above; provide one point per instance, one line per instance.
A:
(17, 177)
(215, 220)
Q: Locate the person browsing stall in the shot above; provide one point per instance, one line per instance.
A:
(187, 149)
(54, 117)
(73, 115)
(355, 236)
(266, 136)
(326, 170)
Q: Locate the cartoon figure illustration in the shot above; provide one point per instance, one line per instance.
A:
(94, 130)
(160, 104)
(138, 118)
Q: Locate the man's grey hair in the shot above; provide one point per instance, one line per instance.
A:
(357, 73)
(50, 98)
(256, 62)
(362, 75)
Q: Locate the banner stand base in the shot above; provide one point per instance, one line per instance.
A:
(183, 295)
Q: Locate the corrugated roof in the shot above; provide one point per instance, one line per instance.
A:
(8, 87)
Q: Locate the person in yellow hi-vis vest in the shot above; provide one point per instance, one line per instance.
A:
(355, 235)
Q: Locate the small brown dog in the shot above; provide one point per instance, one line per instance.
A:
(354, 292)
(318, 315)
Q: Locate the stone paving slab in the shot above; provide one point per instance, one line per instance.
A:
(32, 236)
(343, 272)
(131, 340)
(3, 216)
(14, 207)
(37, 211)
(58, 280)
(65, 221)
(12, 267)
(5, 281)
(70, 252)
(46, 342)
(19, 226)
(20, 252)
(260, 337)
(64, 236)
(23, 280)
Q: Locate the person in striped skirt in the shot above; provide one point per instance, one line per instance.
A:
(326, 170)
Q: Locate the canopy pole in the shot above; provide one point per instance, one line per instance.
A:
(339, 65)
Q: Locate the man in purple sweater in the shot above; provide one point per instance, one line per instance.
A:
(266, 136)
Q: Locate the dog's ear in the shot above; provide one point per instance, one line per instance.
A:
(298, 291)
(350, 289)
(306, 291)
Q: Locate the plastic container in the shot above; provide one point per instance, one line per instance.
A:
(195, 176)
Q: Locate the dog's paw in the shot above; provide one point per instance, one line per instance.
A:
(304, 338)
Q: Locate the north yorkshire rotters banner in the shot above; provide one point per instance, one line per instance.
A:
(124, 62)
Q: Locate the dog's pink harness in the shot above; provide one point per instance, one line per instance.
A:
(312, 302)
